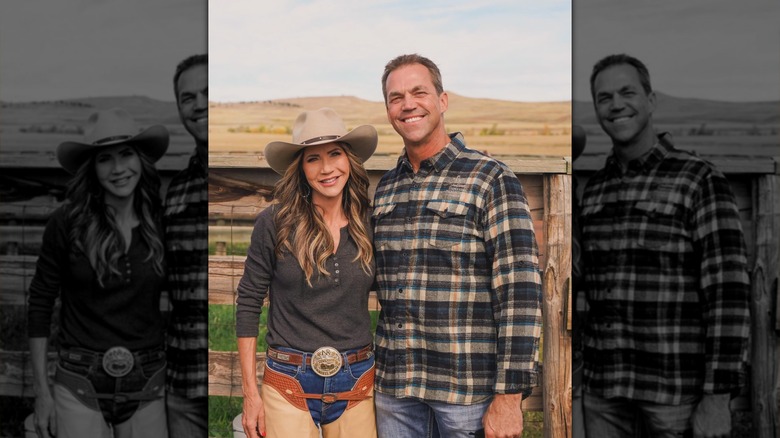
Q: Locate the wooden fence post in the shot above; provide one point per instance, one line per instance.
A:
(763, 290)
(557, 389)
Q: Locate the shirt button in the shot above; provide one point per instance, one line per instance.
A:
(192, 291)
(400, 325)
(400, 291)
(337, 271)
(337, 265)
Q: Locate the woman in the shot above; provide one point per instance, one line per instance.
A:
(311, 252)
(102, 253)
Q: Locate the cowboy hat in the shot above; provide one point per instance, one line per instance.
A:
(108, 128)
(322, 126)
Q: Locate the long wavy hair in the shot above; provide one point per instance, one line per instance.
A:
(301, 230)
(95, 231)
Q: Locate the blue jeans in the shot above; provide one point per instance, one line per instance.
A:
(343, 380)
(412, 418)
(621, 417)
(187, 417)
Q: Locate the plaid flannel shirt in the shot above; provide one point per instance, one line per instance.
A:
(666, 279)
(458, 280)
(186, 232)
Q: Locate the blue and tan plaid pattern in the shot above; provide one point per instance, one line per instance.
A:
(186, 236)
(666, 279)
(458, 280)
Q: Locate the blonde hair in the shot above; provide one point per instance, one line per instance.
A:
(301, 230)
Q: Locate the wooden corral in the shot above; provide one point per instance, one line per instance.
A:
(754, 175)
(240, 186)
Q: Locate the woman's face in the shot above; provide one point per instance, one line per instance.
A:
(118, 170)
(326, 167)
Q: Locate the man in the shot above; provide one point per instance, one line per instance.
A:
(457, 272)
(665, 273)
(186, 229)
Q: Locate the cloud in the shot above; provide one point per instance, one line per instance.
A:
(296, 48)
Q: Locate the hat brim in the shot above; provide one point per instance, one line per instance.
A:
(362, 140)
(152, 142)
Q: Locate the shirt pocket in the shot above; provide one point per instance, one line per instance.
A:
(657, 223)
(385, 236)
(596, 222)
(448, 223)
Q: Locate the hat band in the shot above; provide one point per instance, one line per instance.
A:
(316, 139)
(114, 138)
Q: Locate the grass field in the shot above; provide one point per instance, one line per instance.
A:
(499, 127)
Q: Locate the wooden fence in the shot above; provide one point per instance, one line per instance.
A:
(240, 187)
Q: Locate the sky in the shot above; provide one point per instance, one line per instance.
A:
(712, 49)
(504, 49)
(57, 49)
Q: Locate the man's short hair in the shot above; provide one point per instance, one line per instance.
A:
(185, 65)
(403, 60)
(621, 59)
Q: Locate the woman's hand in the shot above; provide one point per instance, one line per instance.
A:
(253, 419)
(45, 417)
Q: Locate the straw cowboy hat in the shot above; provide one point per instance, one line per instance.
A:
(319, 127)
(108, 128)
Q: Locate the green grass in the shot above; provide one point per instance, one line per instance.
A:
(235, 248)
(222, 328)
(222, 411)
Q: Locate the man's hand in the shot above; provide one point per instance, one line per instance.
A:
(253, 419)
(504, 417)
(45, 417)
(712, 417)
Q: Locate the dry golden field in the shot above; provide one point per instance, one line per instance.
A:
(520, 128)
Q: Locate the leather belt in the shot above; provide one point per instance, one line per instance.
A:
(297, 359)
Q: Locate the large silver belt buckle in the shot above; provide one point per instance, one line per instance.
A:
(326, 361)
(118, 361)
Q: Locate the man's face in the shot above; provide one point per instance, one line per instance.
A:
(622, 106)
(413, 107)
(192, 100)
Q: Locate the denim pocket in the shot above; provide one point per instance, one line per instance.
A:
(284, 368)
(357, 369)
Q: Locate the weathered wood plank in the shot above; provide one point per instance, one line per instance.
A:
(557, 384)
(534, 165)
(727, 164)
(763, 291)
(16, 376)
(16, 273)
(225, 378)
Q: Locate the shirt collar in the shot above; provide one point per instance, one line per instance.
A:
(646, 162)
(442, 158)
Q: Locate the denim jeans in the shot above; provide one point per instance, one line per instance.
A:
(621, 417)
(343, 380)
(412, 418)
(187, 417)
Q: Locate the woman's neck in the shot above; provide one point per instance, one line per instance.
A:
(332, 212)
(124, 213)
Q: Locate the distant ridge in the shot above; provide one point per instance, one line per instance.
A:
(144, 109)
(461, 109)
(680, 110)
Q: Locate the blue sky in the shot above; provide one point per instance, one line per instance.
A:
(54, 49)
(504, 49)
(714, 49)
